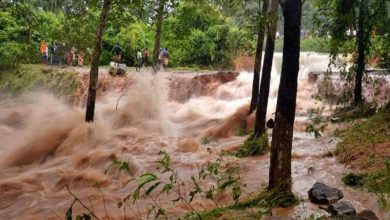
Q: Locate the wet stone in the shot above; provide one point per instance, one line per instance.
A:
(323, 194)
(368, 215)
(276, 218)
(342, 208)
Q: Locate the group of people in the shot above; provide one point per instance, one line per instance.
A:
(143, 58)
(59, 54)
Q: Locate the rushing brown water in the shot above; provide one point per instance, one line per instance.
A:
(45, 145)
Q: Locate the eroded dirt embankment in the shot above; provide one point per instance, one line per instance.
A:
(182, 85)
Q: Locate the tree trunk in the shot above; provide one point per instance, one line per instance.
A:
(258, 57)
(262, 102)
(157, 44)
(361, 41)
(93, 74)
(280, 169)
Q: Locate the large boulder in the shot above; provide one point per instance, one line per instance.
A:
(117, 71)
(342, 208)
(323, 194)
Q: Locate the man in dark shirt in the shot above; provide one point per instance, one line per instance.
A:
(118, 53)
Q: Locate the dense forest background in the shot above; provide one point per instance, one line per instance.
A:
(207, 33)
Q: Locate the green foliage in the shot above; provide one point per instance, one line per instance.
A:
(318, 124)
(364, 134)
(312, 44)
(377, 182)
(202, 35)
(241, 131)
(194, 34)
(205, 141)
(253, 146)
(35, 77)
(363, 110)
(122, 165)
(352, 179)
(267, 200)
(380, 50)
(133, 37)
(357, 149)
(150, 186)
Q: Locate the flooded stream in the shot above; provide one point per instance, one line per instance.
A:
(45, 145)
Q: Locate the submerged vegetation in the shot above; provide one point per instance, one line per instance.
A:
(253, 146)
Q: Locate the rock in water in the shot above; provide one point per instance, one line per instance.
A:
(117, 71)
(323, 194)
(342, 208)
(368, 215)
(276, 218)
(270, 123)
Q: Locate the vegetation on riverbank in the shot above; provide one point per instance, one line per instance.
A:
(26, 78)
(365, 147)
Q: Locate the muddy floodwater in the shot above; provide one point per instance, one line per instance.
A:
(45, 145)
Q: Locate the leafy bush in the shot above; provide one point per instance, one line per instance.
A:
(11, 53)
(134, 37)
(380, 50)
(352, 179)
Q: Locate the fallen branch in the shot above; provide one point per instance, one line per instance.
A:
(116, 108)
(76, 199)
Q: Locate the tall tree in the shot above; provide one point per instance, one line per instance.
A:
(157, 44)
(346, 18)
(281, 146)
(258, 57)
(262, 102)
(94, 72)
(362, 41)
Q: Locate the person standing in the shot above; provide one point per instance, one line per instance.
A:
(146, 57)
(51, 47)
(90, 52)
(43, 50)
(166, 57)
(73, 52)
(80, 58)
(139, 60)
(118, 53)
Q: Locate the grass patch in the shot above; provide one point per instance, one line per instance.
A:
(251, 208)
(366, 144)
(320, 45)
(253, 146)
(191, 68)
(352, 179)
(366, 147)
(377, 182)
(27, 78)
(363, 110)
(256, 207)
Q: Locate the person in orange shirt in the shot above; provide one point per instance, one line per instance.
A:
(43, 51)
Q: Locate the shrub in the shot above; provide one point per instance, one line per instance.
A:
(253, 146)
